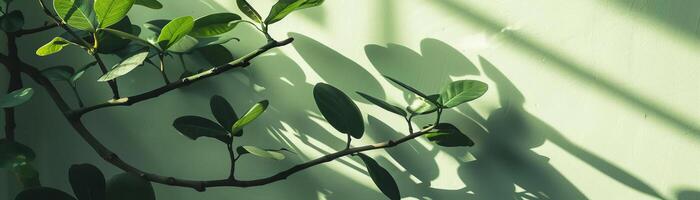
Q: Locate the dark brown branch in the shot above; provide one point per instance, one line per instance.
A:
(14, 84)
(241, 62)
(112, 158)
(74, 118)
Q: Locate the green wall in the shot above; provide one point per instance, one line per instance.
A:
(589, 99)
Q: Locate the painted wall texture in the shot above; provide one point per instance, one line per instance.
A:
(589, 99)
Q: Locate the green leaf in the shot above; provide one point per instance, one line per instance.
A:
(58, 73)
(128, 186)
(76, 13)
(26, 174)
(447, 135)
(125, 66)
(223, 111)
(185, 45)
(260, 152)
(12, 22)
(252, 114)
(194, 127)
(43, 193)
(460, 92)
(109, 12)
(383, 104)
(216, 55)
(381, 177)
(310, 3)
(87, 181)
(131, 37)
(174, 31)
(16, 98)
(409, 88)
(421, 106)
(54, 46)
(13, 152)
(339, 110)
(284, 7)
(152, 4)
(109, 43)
(281, 9)
(248, 10)
(214, 24)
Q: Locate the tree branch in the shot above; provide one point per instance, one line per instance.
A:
(74, 118)
(128, 101)
(14, 84)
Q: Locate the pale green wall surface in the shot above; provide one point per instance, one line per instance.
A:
(589, 99)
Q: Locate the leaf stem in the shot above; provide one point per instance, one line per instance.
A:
(233, 157)
(162, 68)
(112, 83)
(408, 122)
(347, 146)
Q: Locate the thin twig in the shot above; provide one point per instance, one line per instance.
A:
(128, 101)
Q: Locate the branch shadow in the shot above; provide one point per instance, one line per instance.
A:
(505, 139)
(680, 16)
(569, 66)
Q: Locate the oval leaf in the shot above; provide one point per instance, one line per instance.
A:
(124, 67)
(281, 9)
(260, 152)
(152, 4)
(75, 13)
(109, 43)
(381, 177)
(16, 98)
(214, 24)
(54, 46)
(223, 111)
(174, 31)
(310, 3)
(252, 114)
(339, 110)
(194, 127)
(185, 45)
(58, 73)
(248, 10)
(14, 152)
(383, 104)
(87, 181)
(109, 12)
(12, 22)
(129, 186)
(43, 193)
(420, 106)
(460, 92)
(447, 135)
